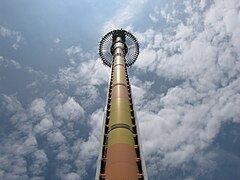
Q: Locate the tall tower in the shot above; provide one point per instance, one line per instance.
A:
(120, 155)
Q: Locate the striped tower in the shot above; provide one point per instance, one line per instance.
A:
(120, 155)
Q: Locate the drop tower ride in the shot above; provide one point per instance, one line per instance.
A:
(120, 154)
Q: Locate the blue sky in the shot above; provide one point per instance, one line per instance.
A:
(185, 86)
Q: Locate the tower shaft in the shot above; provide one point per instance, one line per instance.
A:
(120, 157)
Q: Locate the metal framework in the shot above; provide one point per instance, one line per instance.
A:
(120, 153)
(131, 47)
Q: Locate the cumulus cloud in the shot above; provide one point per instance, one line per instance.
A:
(56, 137)
(70, 110)
(44, 125)
(148, 54)
(85, 80)
(39, 162)
(36, 133)
(140, 91)
(38, 107)
(91, 72)
(89, 149)
(21, 142)
(89, 94)
(18, 143)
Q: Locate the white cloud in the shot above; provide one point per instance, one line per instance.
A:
(158, 40)
(155, 16)
(89, 94)
(140, 90)
(70, 110)
(38, 107)
(15, 46)
(96, 123)
(9, 63)
(28, 146)
(145, 38)
(4, 32)
(223, 18)
(91, 72)
(186, 124)
(56, 137)
(169, 12)
(63, 155)
(89, 149)
(183, 31)
(72, 176)
(77, 54)
(7, 33)
(73, 50)
(57, 40)
(124, 16)
(39, 162)
(36, 122)
(10, 103)
(44, 125)
(147, 58)
(41, 156)
(62, 140)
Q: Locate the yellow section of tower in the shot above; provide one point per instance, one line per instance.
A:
(120, 135)
(119, 75)
(120, 112)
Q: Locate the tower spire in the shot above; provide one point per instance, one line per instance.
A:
(120, 155)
